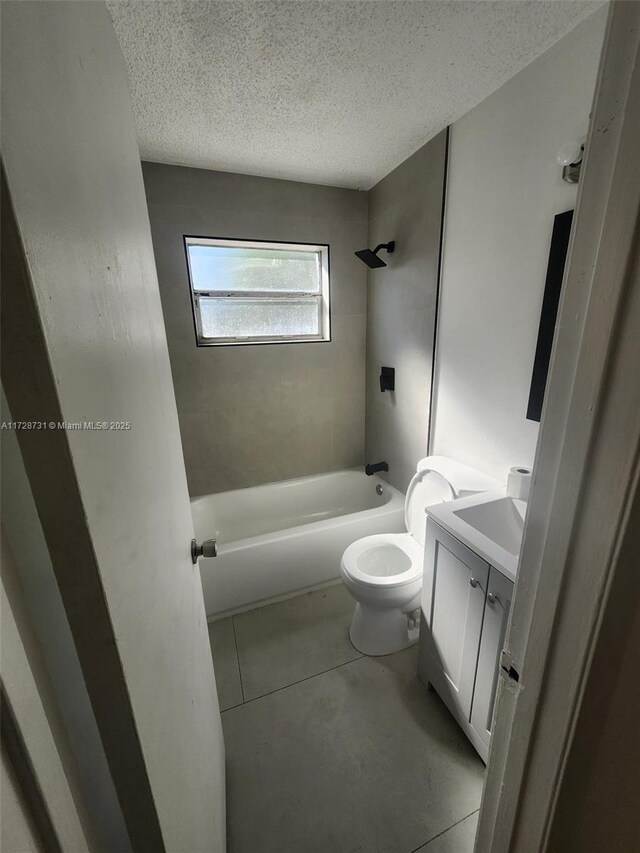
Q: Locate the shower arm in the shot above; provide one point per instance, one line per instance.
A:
(388, 246)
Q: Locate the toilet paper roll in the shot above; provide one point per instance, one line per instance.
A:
(519, 483)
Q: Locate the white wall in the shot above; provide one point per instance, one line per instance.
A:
(504, 189)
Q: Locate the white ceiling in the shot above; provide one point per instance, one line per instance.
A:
(329, 91)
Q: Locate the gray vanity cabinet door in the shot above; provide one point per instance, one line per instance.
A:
(496, 614)
(453, 594)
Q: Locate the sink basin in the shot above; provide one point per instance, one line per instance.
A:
(490, 523)
(500, 520)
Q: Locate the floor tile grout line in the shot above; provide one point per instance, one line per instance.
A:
(424, 843)
(235, 643)
(293, 683)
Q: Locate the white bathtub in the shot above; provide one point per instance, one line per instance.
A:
(281, 538)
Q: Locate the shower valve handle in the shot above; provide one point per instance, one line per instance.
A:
(207, 549)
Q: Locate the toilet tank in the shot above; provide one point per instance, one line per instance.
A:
(438, 479)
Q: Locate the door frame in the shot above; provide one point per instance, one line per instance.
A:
(32, 734)
(586, 473)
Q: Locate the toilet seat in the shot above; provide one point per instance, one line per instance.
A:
(387, 560)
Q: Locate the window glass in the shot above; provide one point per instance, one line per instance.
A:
(254, 291)
(224, 268)
(246, 318)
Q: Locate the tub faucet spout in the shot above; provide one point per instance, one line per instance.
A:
(375, 467)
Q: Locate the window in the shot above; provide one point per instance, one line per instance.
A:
(249, 291)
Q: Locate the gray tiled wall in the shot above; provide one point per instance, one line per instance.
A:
(256, 414)
(405, 206)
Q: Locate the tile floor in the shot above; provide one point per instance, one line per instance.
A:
(329, 751)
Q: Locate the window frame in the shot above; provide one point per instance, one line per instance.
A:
(323, 297)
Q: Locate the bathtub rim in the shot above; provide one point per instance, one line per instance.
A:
(395, 502)
(321, 475)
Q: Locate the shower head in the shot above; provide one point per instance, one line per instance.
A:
(370, 256)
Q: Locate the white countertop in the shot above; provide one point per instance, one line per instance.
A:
(505, 516)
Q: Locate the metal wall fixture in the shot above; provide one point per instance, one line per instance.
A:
(370, 256)
(570, 158)
(373, 468)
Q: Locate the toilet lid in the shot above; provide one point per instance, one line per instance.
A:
(426, 488)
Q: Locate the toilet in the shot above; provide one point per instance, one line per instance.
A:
(383, 572)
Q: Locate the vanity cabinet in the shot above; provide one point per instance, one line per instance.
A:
(464, 613)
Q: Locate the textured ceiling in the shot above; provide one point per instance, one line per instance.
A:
(333, 92)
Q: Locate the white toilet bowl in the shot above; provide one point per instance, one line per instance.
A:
(384, 572)
(384, 575)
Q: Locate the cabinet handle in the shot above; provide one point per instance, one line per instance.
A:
(492, 599)
(473, 582)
